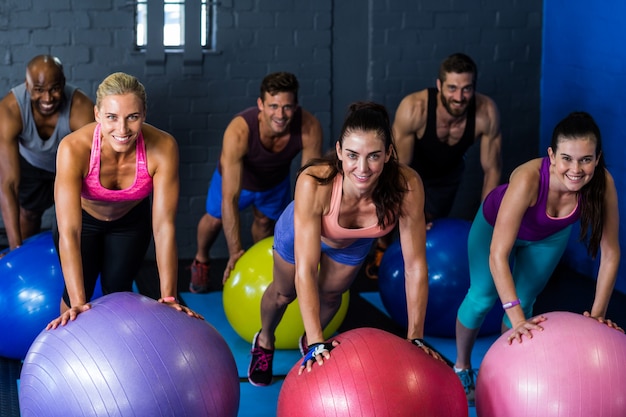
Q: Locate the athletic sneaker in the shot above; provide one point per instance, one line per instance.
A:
(467, 377)
(303, 345)
(199, 277)
(260, 370)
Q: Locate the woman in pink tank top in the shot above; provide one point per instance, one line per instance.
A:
(106, 172)
(343, 202)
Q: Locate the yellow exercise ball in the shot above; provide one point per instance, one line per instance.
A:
(242, 299)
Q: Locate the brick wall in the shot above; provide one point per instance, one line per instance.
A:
(341, 51)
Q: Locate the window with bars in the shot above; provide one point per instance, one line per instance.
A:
(174, 23)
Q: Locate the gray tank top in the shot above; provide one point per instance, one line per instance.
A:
(38, 152)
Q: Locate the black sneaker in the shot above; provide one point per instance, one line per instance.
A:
(260, 370)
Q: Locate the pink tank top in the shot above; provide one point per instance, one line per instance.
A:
(93, 189)
(330, 222)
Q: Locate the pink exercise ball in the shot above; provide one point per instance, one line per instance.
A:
(575, 367)
(373, 373)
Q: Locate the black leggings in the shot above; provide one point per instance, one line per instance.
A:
(115, 250)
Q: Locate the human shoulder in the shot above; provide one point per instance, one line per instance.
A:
(10, 121)
(309, 120)
(235, 140)
(9, 108)
(80, 99)
(312, 176)
(311, 132)
(416, 102)
(77, 145)
(238, 128)
(319, 170)
(526, 176)
(84, 133)
(410, 175)
(81, 110)
(156, 137)
(609, 177)
(487, 113)
(309, 188)
(161, 149)
(413, 109)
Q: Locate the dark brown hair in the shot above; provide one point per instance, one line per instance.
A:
(580, 125)
(366, 116)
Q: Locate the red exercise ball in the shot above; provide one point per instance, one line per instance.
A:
(575, 367)
(373, 373)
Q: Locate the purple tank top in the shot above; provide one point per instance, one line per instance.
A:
(536, 224)
(262, 169)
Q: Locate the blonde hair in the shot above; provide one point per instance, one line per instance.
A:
(120, 83)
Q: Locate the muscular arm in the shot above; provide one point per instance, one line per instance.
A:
(10, 128)
(311, 137)
(308, 210)
(82, 111)
(412, 227)
(521, 194)
(72, 158)
(410, 118)
(490, 146)
(609, 252)
(164, 151)
(234, 148)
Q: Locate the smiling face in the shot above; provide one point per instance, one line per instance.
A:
(45, 83)
(456, 91)
(277, 112)
(121, 118)
(574, 161)
(363, 156)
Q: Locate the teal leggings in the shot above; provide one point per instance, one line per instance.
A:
(532, 265)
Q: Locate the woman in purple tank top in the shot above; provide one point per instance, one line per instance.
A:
(527, 222)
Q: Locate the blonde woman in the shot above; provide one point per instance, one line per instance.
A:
(106, 172)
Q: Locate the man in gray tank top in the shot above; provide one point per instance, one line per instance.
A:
(34, 117)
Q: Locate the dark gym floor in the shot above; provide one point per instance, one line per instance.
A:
(566, 291)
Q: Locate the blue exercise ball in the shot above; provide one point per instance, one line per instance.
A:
(30, 293)
(448, 280)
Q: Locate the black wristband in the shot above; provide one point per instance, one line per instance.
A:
(418, 342)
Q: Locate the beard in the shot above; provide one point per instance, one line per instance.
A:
(456, 112)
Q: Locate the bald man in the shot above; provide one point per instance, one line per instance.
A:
(34, 117)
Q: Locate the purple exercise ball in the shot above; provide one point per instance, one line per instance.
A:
(130, 356)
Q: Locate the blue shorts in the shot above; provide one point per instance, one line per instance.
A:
(271, 202)
(352, 255)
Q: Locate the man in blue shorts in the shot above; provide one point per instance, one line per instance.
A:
(34, 117)
(253, 170)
